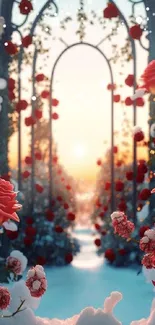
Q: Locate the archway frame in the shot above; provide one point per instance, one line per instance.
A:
(68, 48)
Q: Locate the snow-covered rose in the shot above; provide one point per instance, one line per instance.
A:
(36, 281)
(17, 256)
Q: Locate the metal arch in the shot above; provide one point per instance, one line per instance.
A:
(33, 104)
(134, 108)
(20, 57)
(112, 117)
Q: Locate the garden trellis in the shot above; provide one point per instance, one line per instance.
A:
(6, 12)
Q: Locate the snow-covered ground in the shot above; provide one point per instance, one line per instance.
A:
(89, 281)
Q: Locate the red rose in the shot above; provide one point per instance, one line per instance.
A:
(68, 258)
(26, 174)
(55, 116)
(28, 241)
(38, 114)
(21, 105)
(99, 162)
(11, 84)
(39, 188)
(8, 203)
(142, 168)
(40, 77)
(139, 136)
(105, 208)
(59, 198)
(28, 160)
(6, 177)
(97, 226)
(29, 121)
(111, 87)
(128, 101)
(50, 215)
(129, 175)
(45, 94)
(116, 98)
(29, 220)
(122, 252)
(12, 235)
(30, 231)
(25, 7)
(142, 230)
(66, 206)
(38, 156)
(119, 186)
(11, 96)
(55, 102)
(58, 229)
(10, 48)
(119, 163)
(111, 11)
(115, 149)
(122, 206)
(55, 160)
(97, 242)
(130, 80)
(145, 194)
(103, 232)
(110, 255)
(136, 32)
(71, 216)
(41, 260)
(140, 102)
(107, 186)
(101, 215)
(26, 41)
(140, 178)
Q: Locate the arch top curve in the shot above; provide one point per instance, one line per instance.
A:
(69, 47)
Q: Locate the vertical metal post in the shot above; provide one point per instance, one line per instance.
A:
(134, 144)
(151, 37)
(50, 142)
(33, 103)
(112, 153)
(19, 121)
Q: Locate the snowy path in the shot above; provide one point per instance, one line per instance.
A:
(89, 281)
(87, 257)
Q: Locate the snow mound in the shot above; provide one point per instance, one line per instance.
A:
(89, 316)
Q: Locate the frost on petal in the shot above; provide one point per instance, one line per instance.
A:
(36, 285)
(40, 273)
(30, 273)
(8, 225)
(136, 129)
(139, 93)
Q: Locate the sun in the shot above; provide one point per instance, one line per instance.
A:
(79, 151)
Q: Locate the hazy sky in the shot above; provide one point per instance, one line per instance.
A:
(81, 78)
